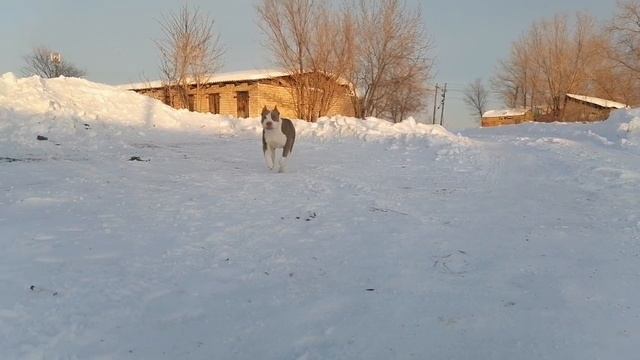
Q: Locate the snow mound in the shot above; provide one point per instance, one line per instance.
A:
(628, 123)
(374, 129)
(622, 127)
(65, 108)
(70, 108)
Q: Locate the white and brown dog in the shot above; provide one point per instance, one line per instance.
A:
(277, 133)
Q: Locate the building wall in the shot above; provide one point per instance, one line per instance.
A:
(271, 96)
(579, 111)
(228, 98)
(260, 94)
(507, 120)
(342, 106)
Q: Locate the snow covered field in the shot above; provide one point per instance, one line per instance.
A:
(382, 242)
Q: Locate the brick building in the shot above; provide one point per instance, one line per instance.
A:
(588, 108)
(242, 94)
(506, 117)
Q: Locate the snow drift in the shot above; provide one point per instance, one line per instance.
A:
(68, 108)
(626, 124)
(621, 129)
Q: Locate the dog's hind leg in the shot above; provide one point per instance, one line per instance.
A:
(288, 147)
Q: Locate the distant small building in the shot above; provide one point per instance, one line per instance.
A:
(588, 108)
(506, 117)
(242, 94)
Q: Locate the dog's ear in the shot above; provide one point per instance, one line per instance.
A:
(265, 112)
(275, 114)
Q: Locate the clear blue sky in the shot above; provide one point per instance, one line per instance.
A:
(113, 40)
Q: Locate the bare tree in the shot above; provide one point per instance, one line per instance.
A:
(564, 56)
(332, 53)
(476, 96)
(403, 96)
(378, 49)
(392, 64)
(506, 83)
(516, 80)
(558, 56)
(314, 44)
(190, 52)
(48, 64)
(553, 58)
(610, 80)
(625, 29)
(618, 77)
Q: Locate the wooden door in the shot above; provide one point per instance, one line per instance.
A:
(214, 103)
(243, 104)
(191, 102)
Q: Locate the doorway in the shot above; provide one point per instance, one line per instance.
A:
(243, 104)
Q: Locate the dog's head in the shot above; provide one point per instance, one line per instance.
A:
(271, 119)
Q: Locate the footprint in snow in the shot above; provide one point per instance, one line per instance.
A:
(454, 263)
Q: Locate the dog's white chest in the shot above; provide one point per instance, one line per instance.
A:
(275, 139)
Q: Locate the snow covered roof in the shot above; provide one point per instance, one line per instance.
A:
(236, 76)
(597, 101)
(504, 112)
(249, 75)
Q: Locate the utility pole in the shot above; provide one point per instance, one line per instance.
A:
(444, 96)
(533, 106)
(435, 105)
(56, 60)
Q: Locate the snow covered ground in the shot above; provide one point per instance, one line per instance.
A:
(382, 242)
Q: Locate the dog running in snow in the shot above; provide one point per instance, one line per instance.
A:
(277, 133)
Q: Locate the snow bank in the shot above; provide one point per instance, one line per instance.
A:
(373, 129)
(627, 125)
(70, 109)
(66, 108)
(622, 129)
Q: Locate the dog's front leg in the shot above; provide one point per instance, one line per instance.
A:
(283, 164)
(273, 157)
(269, 157)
